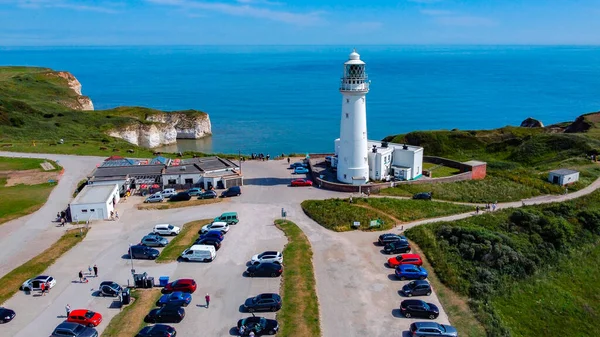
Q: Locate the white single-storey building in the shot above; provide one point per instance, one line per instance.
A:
(563, 176)
(205, 172)
(94, 202)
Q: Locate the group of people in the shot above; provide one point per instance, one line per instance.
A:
(488, 207)
(45, 288)
(61, 217)
(260, 156)
(83, 279)
(114, 215)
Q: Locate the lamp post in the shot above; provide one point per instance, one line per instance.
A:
(240, 160)
(132, 269)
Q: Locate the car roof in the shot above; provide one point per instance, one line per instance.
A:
(419, 282)
(41, 277)
(408, 266)
(426, 324)
(80, 311)
(229, 213)
(268, 295)
(67, 325)
(410, 256)
(185, 280)
(413, 302)
(214, 232)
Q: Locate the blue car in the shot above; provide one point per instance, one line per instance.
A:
(300, 170)
(297, 164)
(177, 298)
(410, 272)
(216, 234)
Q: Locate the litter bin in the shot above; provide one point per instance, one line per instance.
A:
(163, 281)
(125, 296)
(150, 282)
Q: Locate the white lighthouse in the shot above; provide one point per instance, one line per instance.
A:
(352, 161)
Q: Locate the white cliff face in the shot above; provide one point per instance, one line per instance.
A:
(83, 102)
(188, 127)
(146, 135)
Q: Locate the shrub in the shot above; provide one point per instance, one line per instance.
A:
(48, 115)
(16, 122)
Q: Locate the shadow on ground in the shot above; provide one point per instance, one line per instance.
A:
(270, 181)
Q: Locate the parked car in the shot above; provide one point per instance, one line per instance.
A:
(154, 198)
(230, 217)
(194, 191)
(168, 192)
(232, 192)
(202, 253)
(109, 288)
(212, 235)
(153, 240)
(260, 325)
(143, 252)
(417, 288)
(175, 298)
(6, 315)
(301, 182)
(210, 194)
(157, 330)
(386, 238)
(328, 159)
(181, 196)
(422, 196)
(397, 247)
(185, 285)
(263, 302)
(34, 283)
(418, 308)
(300, 170)
(297, 164)
(73, 330)
(265, 269)
(166, 229)
(268, 256)
(408, 271)
(426, 329)
(85, 317)
(215, 226)
(166, 314)
(415, 259)
(209, 242)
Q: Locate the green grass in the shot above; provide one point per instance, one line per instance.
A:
(339, 215)
(411, 210)
(20, 164)
(299, 314)
(36, 266)
(439, 171)
(20, 200)
(186, 237)
(130, 320)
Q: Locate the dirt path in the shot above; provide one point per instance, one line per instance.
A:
(379, 212)
(28, 177)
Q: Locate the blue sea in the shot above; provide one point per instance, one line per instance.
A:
(276, 100)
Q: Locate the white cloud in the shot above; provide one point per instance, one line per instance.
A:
(450, 18)
(435, 12)
(39, 4)
(260, 2)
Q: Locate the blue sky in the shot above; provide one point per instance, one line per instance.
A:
(200, 22)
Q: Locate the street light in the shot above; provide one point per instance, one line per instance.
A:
(131, 259)
(240, 160)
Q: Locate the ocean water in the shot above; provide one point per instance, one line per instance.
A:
(285, 99)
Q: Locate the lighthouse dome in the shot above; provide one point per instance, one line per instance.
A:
(354, 55)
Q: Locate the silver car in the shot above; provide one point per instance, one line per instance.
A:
(74, 330)
(153, 240)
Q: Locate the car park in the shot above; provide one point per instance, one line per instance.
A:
(386, 238)
(405, 259)
(422, 196)
(210, 242)
(268, 256)
(36, 282)
(166, 314)
(427, 329)
(154, 240)
(418, 308)
(181, 196)
(417, 288)
(301, 182)
(232, 192)
(263, 302)
(175, 298)
(259, 325)
(212, 235)
(168, 192)
(300, 170)
(143, 252)
(194, 191)
(73, 330)
(157, 330)
(6, 315)
(202, 253)
(85, 317)
(166, 229)
(397, 247)
(215, 226)
(265, 269)
(210, 194)
(185, 285)
(109, 288)
(230, 217)
(297, 164)
(409, 271)
(154, 198)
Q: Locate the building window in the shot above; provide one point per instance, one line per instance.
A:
(347, 100)
(189, 181)
(344, 176)
(172, 182)
(92, 210)
(362, 99)
(347, 115)
(84, 211)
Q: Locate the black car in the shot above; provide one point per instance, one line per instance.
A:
(166, 314)
(143, 252)
(422, 196)
(109, 288)
(207, 195)
(263, 302)
(181, 196)
(209, 241)
(417, 288)
(418, 308)
(397, 247)
(158, 330)
(232, 192)
(265, 269)
(73, 330)
(6, 315)
(260, 326)
(384, 239)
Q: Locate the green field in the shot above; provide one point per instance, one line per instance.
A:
(439, 171)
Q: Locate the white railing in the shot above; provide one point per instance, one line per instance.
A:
(344, 86)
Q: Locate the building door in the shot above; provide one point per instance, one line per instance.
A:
(555, 179)
(100, 213)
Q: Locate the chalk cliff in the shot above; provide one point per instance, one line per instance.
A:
(82, 102)
(189, 125)
(146, 135)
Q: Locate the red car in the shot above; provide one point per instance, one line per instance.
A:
(85, 317)
(186, 285)
(414, 259)
(301, 182)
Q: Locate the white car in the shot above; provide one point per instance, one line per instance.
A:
(215, 226)
(269, 256)
(166, 229)
(168, 192)
(35, 283)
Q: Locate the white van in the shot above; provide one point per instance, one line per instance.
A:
(168, 192)
(215, 226)
(166, 229)
(202, 253)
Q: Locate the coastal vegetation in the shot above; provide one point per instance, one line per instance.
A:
(186, 237)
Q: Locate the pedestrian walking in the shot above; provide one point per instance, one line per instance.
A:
(90, 270)
(493, 207)
(288, 160)
(47, 287)
(62, 222)
(117, 215)
(207, 298)
(80, 276)
(68, 309)
(43, 288)
(95, 271)
(477, 210)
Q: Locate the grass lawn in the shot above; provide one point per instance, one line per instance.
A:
(131, 318)
(19, 164)
(299, 315)
(183, 240)
(36, 266)
(411, 210)
(338, 215)
(438, 171)
(20, 200)
(178, 204)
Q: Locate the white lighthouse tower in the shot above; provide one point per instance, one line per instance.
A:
(352, 161)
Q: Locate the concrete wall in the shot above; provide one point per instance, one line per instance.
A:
(564, 179)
